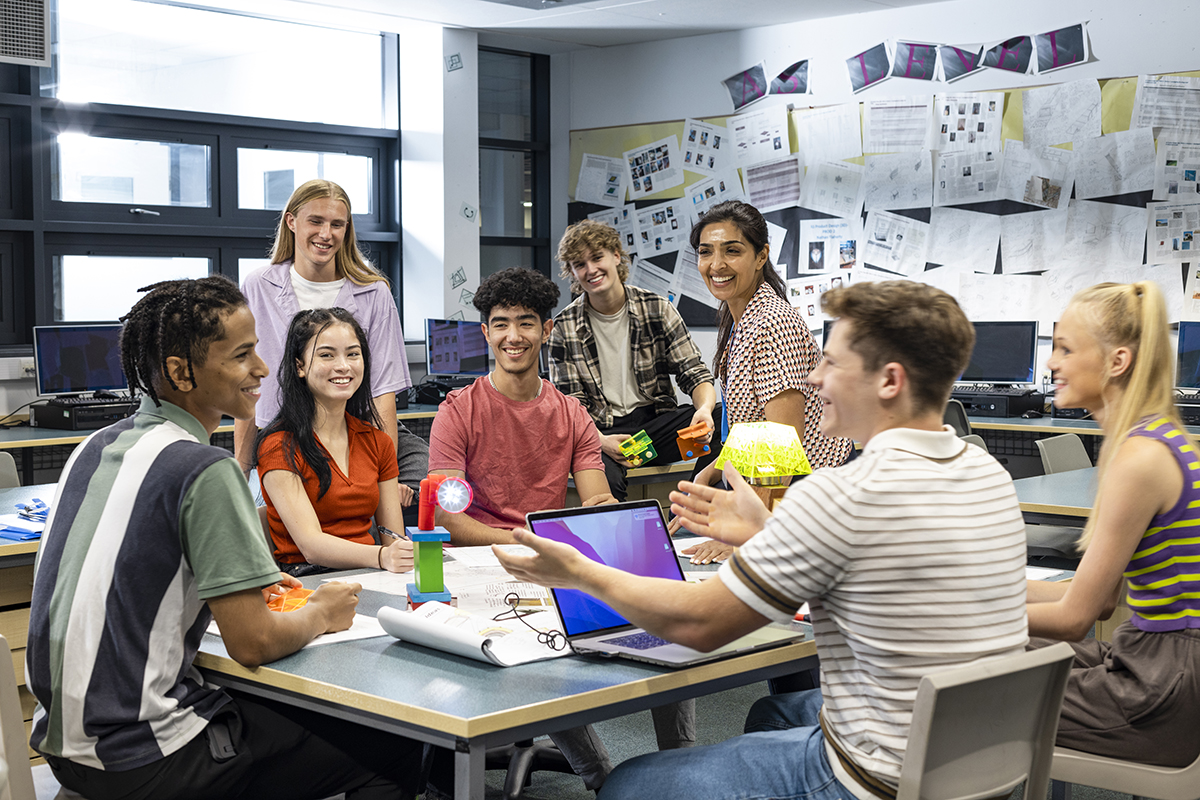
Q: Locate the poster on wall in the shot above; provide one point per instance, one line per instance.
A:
(1011, 55)
(760, 135)
(958, 61)
(827, 244)
(601, 181)
(747, 86)
(793, 80)
(1064, 47)
(773, 185)
(654, 167)
(707, 193)
(969, 121)
(622, 219)
(707, 148)
(804, 293)
(1171, 232)
(869, 67)
(915, 60)
(662, 228)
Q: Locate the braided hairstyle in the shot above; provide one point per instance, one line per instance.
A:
(298, 407)
(175, 318)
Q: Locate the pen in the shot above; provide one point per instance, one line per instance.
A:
(389, 532)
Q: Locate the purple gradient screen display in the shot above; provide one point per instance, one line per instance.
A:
(631, 539)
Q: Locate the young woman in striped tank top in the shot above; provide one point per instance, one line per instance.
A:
(1137, 698)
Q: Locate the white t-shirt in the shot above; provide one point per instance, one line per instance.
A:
(310, 294)
(615, 356)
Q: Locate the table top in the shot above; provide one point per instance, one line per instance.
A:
(465, 698)
(1064, 493)
(17, 554)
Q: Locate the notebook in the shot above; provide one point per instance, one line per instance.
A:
(632, 537)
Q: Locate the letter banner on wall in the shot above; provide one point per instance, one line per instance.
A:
(1064, 47)
(869, 67)
(748, 85)
(793, 80)
(916, 60)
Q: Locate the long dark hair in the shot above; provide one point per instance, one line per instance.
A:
(298, 407)
(752, 225)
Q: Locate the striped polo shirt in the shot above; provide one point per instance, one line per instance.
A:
(912, 559)
(1164, 574)
(148, 522)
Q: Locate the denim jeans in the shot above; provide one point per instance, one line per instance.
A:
(777, 761)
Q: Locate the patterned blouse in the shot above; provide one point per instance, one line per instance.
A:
(770, 351)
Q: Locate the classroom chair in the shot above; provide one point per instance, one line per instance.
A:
(1140, 780)
(9, 479)
(985, 729)
(956, 417)
(1063, 453)
(522, 759)
(975, 439)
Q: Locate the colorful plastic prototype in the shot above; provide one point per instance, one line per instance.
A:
(637, 449)
(687, 440)
(454, 496)
(293, 598)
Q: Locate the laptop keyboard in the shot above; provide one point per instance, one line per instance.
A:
(637, 641)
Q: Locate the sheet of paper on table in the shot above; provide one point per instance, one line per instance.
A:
(364, 627)
(1041, 573)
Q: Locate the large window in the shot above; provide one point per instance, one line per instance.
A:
(514, 165)
(185, 134)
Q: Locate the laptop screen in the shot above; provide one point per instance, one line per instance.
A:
(629, 536)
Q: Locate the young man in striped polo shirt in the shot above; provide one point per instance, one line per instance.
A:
(911, 558)
(151, 529)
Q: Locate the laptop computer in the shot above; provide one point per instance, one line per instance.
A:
(632, 537)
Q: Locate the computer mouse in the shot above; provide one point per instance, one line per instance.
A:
(1032, 414)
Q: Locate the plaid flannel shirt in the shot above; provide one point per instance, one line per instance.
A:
(661, 346)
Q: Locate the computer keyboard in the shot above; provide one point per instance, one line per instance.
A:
(638, 641)
(987, 389)
(76, 402)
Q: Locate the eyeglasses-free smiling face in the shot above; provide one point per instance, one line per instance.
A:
(320, 228)
(228, 381)
(596, 271)
(1077, 363)
(516, 336)
(727, 262)
(849, 393)
(333, 364)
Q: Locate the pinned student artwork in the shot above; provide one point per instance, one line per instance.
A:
(454, 496)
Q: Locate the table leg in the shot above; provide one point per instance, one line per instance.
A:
(468, 771)
(27, 466)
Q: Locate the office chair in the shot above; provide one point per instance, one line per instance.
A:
(984, 729)
(956, 417)
(522, 759)
(1063, 453)
(1139, 780)
(9, 478)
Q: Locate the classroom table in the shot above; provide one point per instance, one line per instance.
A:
(467, 706)
(1064, 498)
(20, 554)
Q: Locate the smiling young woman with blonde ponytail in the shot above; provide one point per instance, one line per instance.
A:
(1137, 697)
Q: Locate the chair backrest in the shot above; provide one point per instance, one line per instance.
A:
(9, 479)
(977, 440)
(980, 731)
(12, 732)
(956, 417)
(1063, 453)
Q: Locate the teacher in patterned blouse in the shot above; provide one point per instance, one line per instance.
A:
(764, 349)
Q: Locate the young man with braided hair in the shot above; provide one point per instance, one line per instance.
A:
(134, 563)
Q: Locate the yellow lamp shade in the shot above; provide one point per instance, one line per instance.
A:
(764, 452)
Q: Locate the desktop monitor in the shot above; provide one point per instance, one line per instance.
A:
(826, 329)
(1187, 374)
(74, 359)
(455, 347)
(1005, 352)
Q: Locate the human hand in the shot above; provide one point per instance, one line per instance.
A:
(553, 564)
(605, 499)
(285, 583)
(610, 445)
(397, 556)
(336, 601)
(731, 517)
(407, 495)
(705, 416)
(708, 551)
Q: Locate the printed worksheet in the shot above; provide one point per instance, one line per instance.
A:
(686, 280)
(1032, 242)
(967, 121)
(895, 243)
(898, 180)
(706, 147)
(601, 181)
(662, 228)
(1115, 163)
(645, 274)
(1040, 176)
(971, 176)
(827, 244)
(804, 293)
(834, 188)
(963, 238)
(621, 219)
(1170, 231)
(654, 167)
(1064, 112)
(897, 124)
(832, 133)
(1001, 298)
(760, 135)
(707, 193)
(1170, 102)
(1175, 168)
(772, 185)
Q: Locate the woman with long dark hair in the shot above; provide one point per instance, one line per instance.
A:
(327, 467)
(764, 350)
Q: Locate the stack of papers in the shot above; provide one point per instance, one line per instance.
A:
(16, 528)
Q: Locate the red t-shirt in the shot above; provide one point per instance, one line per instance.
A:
(349, 503)
(516, 455)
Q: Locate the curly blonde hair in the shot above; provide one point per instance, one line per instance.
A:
(588, 236)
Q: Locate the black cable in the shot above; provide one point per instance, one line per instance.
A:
(552, 639)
